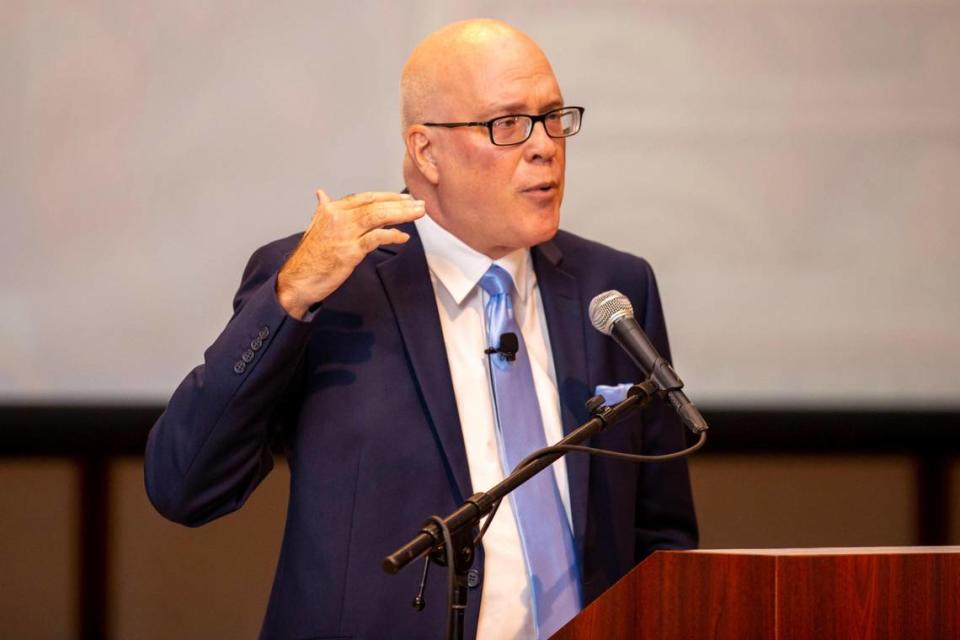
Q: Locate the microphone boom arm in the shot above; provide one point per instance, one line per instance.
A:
(478, 505)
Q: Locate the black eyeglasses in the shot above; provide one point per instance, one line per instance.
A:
(516, 128)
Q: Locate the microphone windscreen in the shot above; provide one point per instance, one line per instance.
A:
(608, 307)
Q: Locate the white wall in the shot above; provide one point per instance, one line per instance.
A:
(791, 169)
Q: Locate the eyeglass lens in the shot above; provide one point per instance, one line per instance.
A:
(515, 129)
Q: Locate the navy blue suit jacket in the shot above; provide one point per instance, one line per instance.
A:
(362, 398)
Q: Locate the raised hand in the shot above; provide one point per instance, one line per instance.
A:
(341, 233)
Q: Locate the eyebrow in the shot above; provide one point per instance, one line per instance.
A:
(517, 107)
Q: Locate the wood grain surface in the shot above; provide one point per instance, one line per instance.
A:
(794, 594)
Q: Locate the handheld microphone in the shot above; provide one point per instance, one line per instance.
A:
(611, 313)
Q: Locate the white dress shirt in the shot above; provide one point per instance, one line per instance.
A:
(455, 271)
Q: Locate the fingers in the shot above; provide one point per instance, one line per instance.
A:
(359, 213)
(373, 239)
(368, 197)
(381, 214)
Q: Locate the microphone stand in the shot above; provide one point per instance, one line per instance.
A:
(454, 533)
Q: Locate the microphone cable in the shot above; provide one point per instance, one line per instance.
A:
(594, 451)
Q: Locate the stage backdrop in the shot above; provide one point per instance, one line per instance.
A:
(791, 169)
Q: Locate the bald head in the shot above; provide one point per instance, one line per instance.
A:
(437, 77)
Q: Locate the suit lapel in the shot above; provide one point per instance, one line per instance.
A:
(565, 322)
(406, 279)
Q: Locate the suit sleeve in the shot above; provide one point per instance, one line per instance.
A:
(665, 516)
(211, 447)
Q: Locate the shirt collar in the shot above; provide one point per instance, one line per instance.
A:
(459, 267)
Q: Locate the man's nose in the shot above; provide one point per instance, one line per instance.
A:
(540, 146)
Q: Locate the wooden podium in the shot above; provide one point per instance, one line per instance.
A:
(778, 594)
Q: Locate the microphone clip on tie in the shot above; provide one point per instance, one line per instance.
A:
(508, 347)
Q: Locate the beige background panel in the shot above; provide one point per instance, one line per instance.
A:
(804, 501)
(171, 581)
(39, 564)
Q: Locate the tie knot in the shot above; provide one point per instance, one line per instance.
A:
(496, 281)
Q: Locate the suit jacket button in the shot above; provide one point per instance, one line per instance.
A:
(239, 366)
(256, 343)
(247, 356)
(264, 332)
(473, 578)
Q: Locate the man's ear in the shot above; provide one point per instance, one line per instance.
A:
(420, 149)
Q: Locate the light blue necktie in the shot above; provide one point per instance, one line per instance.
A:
(544, 528)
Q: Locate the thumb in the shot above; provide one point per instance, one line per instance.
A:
(322, 201)
(322, 198)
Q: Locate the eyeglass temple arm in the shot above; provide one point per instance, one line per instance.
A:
(450, 125)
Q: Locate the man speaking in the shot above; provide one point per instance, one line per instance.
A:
(360, 345)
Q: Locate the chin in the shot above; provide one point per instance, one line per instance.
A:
(541, 233)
